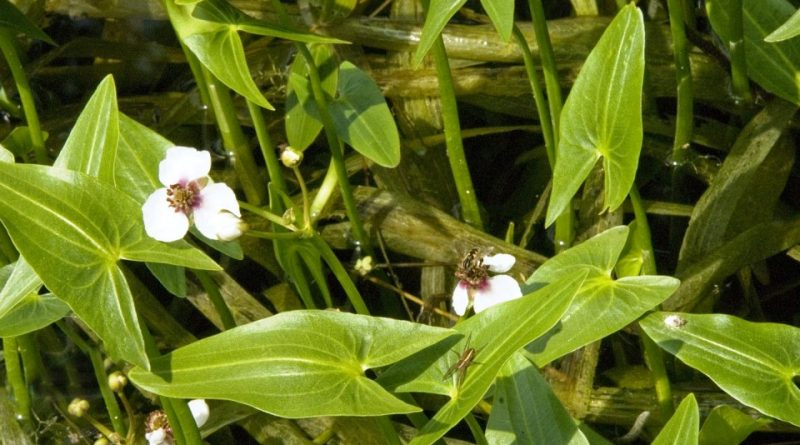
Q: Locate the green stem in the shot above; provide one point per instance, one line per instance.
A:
(16, 379)
(741, 84)
(475, 428)
(548, 63)
(267, 149)
(452, 132)
(266, 214)
(538, 96)
(565, 226)
(114, 413)
(685, 117)
(653, 355)
(275, 235)
(234, 139)
(191, 433)
(337, 151)
(323, 195)
(212, 290)
(96, 359)
(341, 275)
(388, 431)
(25, 95)
(174, 421)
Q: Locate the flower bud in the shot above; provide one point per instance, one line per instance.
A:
(291, 157)
(78, 407)
(117, 381)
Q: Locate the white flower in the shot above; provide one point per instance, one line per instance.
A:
(190, 197)
(160, 433)
(475, 287)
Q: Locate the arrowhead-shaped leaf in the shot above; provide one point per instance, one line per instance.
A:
(362, 118)
(602, 117)
(756, 363)
(73, 229)
(603, 305)
(294, 364)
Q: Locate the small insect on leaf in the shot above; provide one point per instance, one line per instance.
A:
(459, 368)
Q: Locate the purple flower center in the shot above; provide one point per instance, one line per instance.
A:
(184, 197)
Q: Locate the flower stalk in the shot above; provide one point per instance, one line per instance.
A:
(9, 51)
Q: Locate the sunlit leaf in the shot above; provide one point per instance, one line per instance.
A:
(726, 425)
(21, 282)
(223, 12)
(438, 14)
(602, 117)
(755, 363)
(620, 301)
(73, 229)
(294, 364)
(32, 313)
(362, 118)
(683, 426)
(496, 333)
(91, 147)
(789, 29)
(525, 403)
(501, 12)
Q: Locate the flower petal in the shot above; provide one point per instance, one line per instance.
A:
(217, 217)
(161, 221)
(502, 262)
(199, 409)
(460, 299)
(498, 289)
(216, 197)
(157, 437)
(183, 164)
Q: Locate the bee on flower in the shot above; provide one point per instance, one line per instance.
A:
(477, 289)
(190, 197)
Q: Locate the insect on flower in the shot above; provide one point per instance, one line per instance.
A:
(459, 368)
(477, 289)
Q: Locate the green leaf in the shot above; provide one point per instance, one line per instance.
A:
(747, 187)
(525, 401)
(173, 278)
(219, 48)
(21, 282)
(436, 17)
(31, 314)
(294, 364)
(13, 19)
(501, 12)
(6, 155)
(73, 229)
(755, 363)
(139, 152)
(789, 29)
(303, 123)
(682, 426)
(774, 65)
(726, 425)
(362, 118)
(222, 12)
(91, 147)
(18, 142)
(496, 334)
(602, 117)
(757, 243)
(619, 301)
